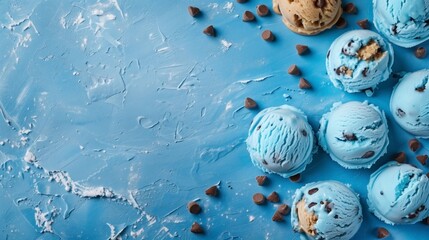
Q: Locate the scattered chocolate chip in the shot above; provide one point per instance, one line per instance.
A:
(283, 209)
(412, 215)
(268, 36)
(212, 191)
(264, 162)
(194, 207)
(400, 157)
(364, 23)
(328, 208)
(414, 145)
(382, 232)
(248, 16)
(394, 29)
(295, 178)
(341, 23)
(193, 11)
(250, 103)
(422, 159)
(259, 127)
(210, 31)
(303, 132)
(241, 1)
(420, 52)
(258, 198)
(421, 208)
(349, 136)
(313, 191)
(350, 8)
(381, 193)
(274, 197)
(329, 53)
(420, 89)
(336, 216)
(400, 112)
(262, 10)
(304, 84)
(261, 180)
(426, 221)
(277, 217)
(312, 204)
(301, 49)
(196, 228)
(368, 154)
(294, 70)
(365, 72)
(320, 3)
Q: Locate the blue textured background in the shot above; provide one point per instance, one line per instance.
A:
(128, 98)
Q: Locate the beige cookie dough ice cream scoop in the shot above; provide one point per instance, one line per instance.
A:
(308, 17)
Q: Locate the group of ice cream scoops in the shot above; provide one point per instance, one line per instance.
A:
(354, 134)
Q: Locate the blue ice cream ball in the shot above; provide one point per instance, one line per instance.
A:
(281, 141)
(399, 194)
(354, 134)
(358, 61)
(409, 103)
(326, 210)
(404, 23)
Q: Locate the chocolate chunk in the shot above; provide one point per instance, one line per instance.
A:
(295, 178)
(313, 191)
(261, 180)
(422, 159)
(394, 29)
(210, 31)
(258, 198)
(294, 70)
(365, 72)
(414, 145)
(194, 207)
(268, 36)
(304, 133)
(274, 197)
(420, 52)
(349, 136)
(382, 232)
(312, 204)
(277, 217)
(368, 154)
(242, 1)
(400, 157)
(350, 8)
(301, 49)
(412, 215)
(193, 11)
(212, 191)
(420, 89)
(328, 207)
(320, 3)
(248, 16)
(262, 10)
(250, 103)
(196, 228)
(400, 112)
(304, 84)
(364, 23)
(283, 209)
(341, 23)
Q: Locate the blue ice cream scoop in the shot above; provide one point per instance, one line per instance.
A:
(358, 61)
(326, 210)
(281, 141)
(399, 194)
(354, 134)
(409, 103)
(404, 23)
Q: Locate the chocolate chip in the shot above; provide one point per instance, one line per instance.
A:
(422, 159)
(196, 228)
(312, 204)
(329, 53)
(368, 154)
(210, 31)
(194, 207)
(283, 209)
(421, 208)
(313, 191)
(294, 70)
(341, 23)
(212, 191)
(262, 10)
(382, 232)
(274, 197)
(193, 11)
(349, 136)
(242, 1)
(420, 89)
(264, 162)
(420, 52)
(412, 215)
(320, 3)
(381, 193)
(414, 145)
(350, 8)
(261, 180)
(301, 49)
(258, 198)
(427, 23)
(259, 127)
(336, 216)
(328, 208)
(400, 157)
(295, 178)
(427, 174)
(277, 217)
(304, 84)
(426, 221)
(248, 16)
(365, 72)
(250, 103)
(364, 23)
(304, 133)
(400, 112)
(394, 29)
(268, 36)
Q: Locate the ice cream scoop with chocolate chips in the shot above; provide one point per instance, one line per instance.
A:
(358, 61)
(326, 210)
